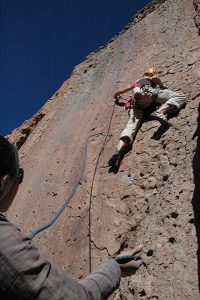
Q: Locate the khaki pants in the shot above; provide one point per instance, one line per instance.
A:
(135, 117)
(163, 97)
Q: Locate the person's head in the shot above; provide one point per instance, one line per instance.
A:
(10, 173)
(150, 72)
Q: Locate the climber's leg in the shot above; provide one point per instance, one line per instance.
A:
(135, 117)
(127, 136)
(170, 102)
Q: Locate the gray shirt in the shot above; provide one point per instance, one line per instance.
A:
(25, 274)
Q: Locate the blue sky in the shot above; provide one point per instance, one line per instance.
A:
(43, 40)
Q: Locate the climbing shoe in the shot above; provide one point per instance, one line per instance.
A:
(160, 117)
(114, 160)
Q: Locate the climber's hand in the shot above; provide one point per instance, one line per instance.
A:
(117, 96)
(131, 267)
(116, 101)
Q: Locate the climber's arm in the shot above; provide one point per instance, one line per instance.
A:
(158, 82)
(129, 88)
(28, 275)
(106, 277)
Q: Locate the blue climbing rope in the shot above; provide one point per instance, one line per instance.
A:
(78, 181)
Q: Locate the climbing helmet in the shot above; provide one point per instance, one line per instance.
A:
(150, 72)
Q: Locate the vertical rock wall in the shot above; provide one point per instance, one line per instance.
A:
(154, 196)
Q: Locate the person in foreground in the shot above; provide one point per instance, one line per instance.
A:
(25, 274)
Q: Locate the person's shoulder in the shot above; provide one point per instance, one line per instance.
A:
(2, 216)
(3, 219)
(9, 233)
(139, 79)
(154, 77)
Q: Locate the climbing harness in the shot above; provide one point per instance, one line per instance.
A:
(76, 184)
(127, 104)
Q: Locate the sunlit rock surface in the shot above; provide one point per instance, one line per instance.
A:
(154, 197)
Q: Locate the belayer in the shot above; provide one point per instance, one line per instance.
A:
(145, 91)
(25, 274)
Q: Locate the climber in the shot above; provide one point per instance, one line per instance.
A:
(145, 91)
(25, 274)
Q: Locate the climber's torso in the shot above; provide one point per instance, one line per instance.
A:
(143, 90)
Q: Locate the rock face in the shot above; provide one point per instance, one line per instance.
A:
(154, 197)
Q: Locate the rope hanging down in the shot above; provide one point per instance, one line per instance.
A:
(93, 177)
(76, 184)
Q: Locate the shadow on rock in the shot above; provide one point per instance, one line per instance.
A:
(163, 128)
(196, 195)
(126, 152)
(159, 132)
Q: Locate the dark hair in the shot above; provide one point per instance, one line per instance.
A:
(9, 161)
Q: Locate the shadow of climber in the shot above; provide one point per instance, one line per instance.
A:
(196, 195)
(127, 151)
(163, 128)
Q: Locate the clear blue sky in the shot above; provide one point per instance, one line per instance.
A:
(43, 40)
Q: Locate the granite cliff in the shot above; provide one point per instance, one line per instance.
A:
(154, 197)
